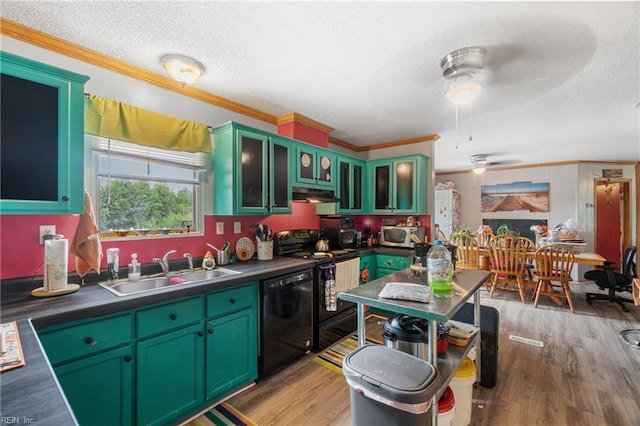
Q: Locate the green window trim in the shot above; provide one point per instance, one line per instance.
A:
(117, 120)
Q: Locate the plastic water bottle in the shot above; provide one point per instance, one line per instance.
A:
(439, 267)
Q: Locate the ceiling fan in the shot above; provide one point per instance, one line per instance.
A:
(480, 163)
(463, 74)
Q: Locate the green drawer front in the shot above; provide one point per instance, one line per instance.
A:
(87, 338)
(167, 317)
(231, 300)
(391, 262)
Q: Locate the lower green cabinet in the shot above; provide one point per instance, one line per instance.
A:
(389, 263)
(99, 387)
(175, 359)
(367, 268)
(231, 352)
(170, 372)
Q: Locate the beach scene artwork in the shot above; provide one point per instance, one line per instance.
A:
(507, 197)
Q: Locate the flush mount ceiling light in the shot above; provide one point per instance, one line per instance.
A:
(479, 162)
(183, 69)
(464, 74)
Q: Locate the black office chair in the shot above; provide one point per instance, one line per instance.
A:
(607, 279)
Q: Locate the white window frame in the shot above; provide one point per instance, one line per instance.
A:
(200, 162)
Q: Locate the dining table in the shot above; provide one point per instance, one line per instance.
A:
(582, 258)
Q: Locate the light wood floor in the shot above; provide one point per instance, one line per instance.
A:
(584, 374)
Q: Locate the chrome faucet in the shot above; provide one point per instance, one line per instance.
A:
(189, 259)
(164, 262)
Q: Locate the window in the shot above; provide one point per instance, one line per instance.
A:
(147, 191)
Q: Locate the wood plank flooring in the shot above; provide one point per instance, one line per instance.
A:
(584, 374)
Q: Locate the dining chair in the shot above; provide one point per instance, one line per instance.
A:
(483, 239)
(507, 260)
(468, 255)
(529, 246)
(553, 264)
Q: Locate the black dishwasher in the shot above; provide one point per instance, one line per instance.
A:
(286, 314)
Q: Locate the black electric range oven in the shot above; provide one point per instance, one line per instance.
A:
(329, 324)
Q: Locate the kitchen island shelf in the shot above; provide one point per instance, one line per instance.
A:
(440, 308)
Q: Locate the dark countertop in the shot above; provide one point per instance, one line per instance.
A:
(31, 393)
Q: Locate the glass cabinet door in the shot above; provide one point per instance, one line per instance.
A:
(325, 169)
(382, 195)
(404, 185)
(252, 173)
(357, 187)
(280, 189)
(345, 185)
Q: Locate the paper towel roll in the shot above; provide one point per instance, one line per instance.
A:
(55, 264)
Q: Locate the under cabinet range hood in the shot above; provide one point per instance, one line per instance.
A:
(301, 194)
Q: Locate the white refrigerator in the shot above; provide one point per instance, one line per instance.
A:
(447, 206)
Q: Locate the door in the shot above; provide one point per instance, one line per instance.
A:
(170, 376)
(612, 222)
(98, 387)
(231, 351)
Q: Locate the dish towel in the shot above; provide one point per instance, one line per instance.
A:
(86, 241)
(347, 275)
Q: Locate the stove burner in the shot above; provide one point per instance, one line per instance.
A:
(302, 254)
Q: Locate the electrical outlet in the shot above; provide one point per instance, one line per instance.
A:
(219, 228)
(46, 230)
(236, 228)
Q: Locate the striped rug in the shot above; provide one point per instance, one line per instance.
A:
(332, 358)
(222, 415)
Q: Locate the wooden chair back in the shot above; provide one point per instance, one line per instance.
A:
(483, 239)
(554, 263)
(467, 253)
(507, 255)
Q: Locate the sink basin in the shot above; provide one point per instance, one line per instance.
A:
(201, 275)
(126, 288)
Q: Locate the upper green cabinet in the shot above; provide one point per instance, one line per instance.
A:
(251, 170)
(350, 187)
(315, 166)
(398, 185)
(41, 154)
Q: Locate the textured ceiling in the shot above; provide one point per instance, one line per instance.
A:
(566, 75)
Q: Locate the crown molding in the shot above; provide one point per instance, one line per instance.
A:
(531, 166)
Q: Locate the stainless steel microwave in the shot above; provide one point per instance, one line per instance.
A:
(400, 236)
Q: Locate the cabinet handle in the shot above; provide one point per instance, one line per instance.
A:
(89, 341)
(232, 300)
(210, 330)
(174, 317)
(389, 262)
(200, 334)
(127, 358)
(65, 198)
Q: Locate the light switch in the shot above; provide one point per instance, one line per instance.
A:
(219, 228)
(236, 227)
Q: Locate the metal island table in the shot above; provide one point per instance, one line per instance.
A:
(440, 308)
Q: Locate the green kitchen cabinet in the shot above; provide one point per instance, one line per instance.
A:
(42, 116)
(351, 181)
(99, 387)
(367, 268)
(251, 171)
(170, 375)
(315, 167)
(231, 352)
(398, 185)
(232, 339)
(387, 264)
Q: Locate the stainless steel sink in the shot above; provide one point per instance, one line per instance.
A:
(125, 288)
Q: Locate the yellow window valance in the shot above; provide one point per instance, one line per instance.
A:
(116, 120)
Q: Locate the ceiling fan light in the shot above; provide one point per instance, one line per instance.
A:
(478, 170)
(463, 94)
(181, 68)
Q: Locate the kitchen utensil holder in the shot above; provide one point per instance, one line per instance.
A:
(265, 249)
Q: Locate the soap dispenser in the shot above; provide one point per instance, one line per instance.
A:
(134, 268)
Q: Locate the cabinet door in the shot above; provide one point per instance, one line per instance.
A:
(170, 376)
(42, 115)
(350, 185)
(252, 177)
(382, 187)
(315, 167)
(367, 268)
(280, 176)
(231, 352)
(404, 186)
(98, 387)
